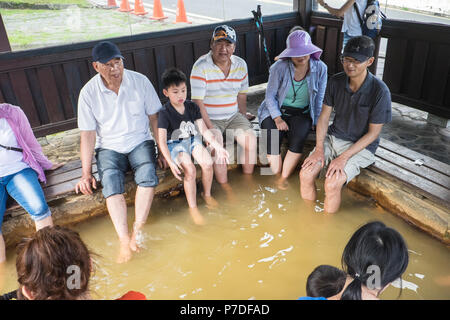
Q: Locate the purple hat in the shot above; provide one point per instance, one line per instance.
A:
(298, 44)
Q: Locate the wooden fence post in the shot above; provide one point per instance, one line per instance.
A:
(304, 7)
(4, 41)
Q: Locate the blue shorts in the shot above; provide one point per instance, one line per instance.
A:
(185, 145)
(25, 188)
(112, 167)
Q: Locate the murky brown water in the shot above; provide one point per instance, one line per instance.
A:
(262, 247)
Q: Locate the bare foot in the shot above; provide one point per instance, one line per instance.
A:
(282, 183)
(125, 252)
(231, 197)
(196, 216)
(136, 238)
(211, 203)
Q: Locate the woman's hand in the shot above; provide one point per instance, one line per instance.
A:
(56, 166)
(281, 124)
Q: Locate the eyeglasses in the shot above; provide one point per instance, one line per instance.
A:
(347, 60)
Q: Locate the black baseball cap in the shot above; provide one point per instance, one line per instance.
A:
(361, 48)
(105, 51)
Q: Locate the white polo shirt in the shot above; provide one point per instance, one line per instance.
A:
(351, 23)
(120, 121)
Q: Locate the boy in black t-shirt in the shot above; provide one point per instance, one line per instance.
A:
(180, 127)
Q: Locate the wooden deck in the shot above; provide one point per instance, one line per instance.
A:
(429, 177)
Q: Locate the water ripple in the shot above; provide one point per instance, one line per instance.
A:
(277, 256)
(268, 237)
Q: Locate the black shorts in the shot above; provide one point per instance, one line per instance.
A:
(299, 127)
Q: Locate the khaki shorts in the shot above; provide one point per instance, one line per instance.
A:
(333, 147)
(238, 121)
(230, 127)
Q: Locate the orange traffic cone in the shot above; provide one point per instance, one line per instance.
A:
(158, 13)
(112, 4)
(125, 6)
(139, 8)
(181, 13)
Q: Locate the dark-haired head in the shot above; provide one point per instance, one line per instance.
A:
(325, 281)
(375, 256)
(173, 77)
(295, 28)
(46, 261)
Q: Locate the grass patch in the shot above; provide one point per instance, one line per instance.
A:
(31, 28)
(43, 2)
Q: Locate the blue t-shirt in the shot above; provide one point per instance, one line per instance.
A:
(312, 298)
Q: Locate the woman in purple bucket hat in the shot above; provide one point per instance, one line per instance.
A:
(294, 95)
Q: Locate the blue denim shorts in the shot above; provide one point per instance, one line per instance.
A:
(185, 145)
(25, 188)
(112, 167)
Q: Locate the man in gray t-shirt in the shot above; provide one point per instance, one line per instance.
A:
(362, 104)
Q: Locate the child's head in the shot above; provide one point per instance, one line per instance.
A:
(54, 264)
(325, 281)
(174, 86)
(376, 255)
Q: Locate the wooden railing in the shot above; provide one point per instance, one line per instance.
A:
(417, 62)
(46, 82)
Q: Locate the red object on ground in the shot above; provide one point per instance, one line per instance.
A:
(125, 6)
(139, 8)
(112, 4)
(181, 13)
(158, 13)
(132, 295)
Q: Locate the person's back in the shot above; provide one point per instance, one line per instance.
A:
(375, 256)
(351, 24)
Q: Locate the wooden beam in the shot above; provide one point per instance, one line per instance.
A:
(4, 41)
(304, 8)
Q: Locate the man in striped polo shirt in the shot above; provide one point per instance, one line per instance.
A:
(219, 85)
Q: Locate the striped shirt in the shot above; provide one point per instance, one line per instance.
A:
(219, 94)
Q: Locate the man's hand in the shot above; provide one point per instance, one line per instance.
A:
(281, 124)
(162, 162)
(84, 185)
(337, 167)
(316, 158)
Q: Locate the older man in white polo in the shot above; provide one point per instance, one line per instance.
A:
(219, 84)
(115, 108)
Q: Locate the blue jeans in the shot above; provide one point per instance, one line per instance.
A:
(185, 145)
(25, 188)
(112, 167)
